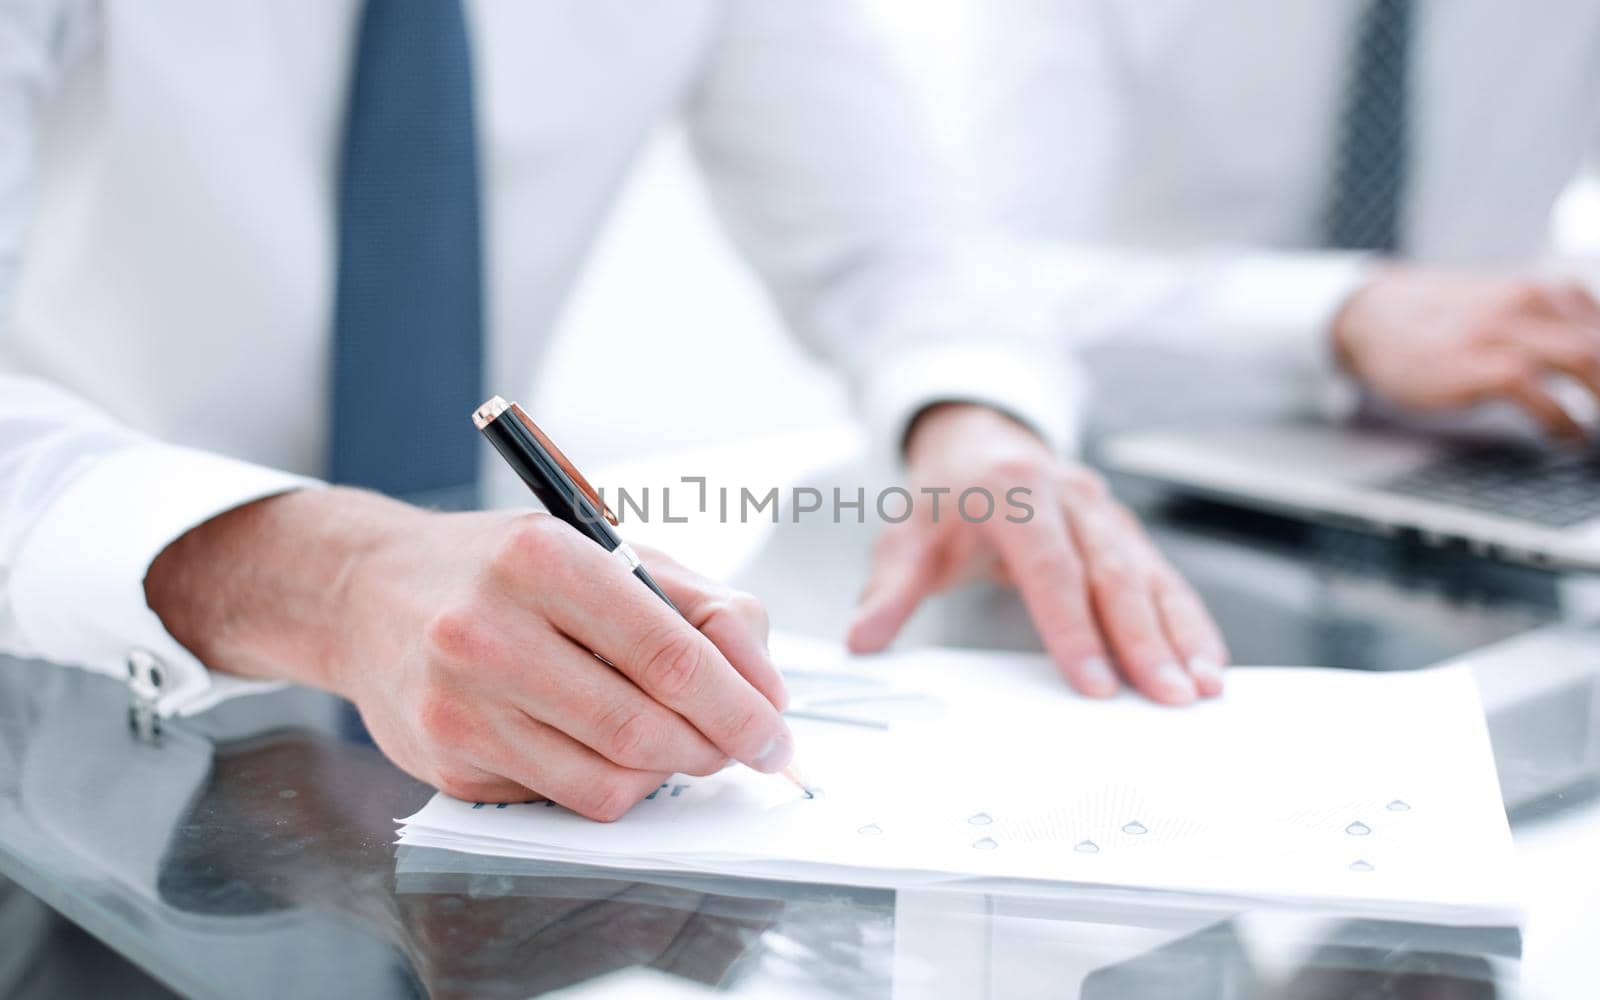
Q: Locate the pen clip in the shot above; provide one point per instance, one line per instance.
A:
(562, 460)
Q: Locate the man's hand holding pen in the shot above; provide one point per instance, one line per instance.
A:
(470, 644)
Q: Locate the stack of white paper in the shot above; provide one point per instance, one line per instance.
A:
(1363, 792)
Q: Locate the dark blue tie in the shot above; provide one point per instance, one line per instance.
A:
(1370, 174)
(408, 341)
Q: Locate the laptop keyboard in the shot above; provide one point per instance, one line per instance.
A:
(1554, 489)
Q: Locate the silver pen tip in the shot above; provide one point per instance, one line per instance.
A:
(798, 779)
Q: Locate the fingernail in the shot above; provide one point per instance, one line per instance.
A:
(1098, 675)
(776, 755)
(1207, 672)
(1175, 683)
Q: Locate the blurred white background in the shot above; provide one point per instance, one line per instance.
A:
(698, 353)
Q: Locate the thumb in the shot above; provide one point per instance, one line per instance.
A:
(904, 571)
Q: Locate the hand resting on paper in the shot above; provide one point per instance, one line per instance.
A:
(1102, 597)
(469, 642)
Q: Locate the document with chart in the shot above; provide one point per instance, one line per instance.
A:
(1372, 793)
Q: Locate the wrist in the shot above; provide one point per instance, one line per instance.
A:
(1349, 320)
(268, 590)
(937, 429)
(1339, 333)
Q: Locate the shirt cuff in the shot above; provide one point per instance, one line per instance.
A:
(1023, 382)
(1296, 297)
(77, 586)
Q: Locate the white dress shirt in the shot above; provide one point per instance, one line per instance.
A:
(1171, 159)
(167, 217)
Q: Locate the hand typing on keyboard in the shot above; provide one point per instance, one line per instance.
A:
(1438, 340)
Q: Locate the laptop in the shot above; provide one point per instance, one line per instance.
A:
(1509, 497)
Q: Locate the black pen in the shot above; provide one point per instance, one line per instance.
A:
(566, 494)
(556, 482)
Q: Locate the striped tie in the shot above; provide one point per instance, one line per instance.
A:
(407, 366)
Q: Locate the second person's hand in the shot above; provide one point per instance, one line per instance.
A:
(1435, 339)
(1104, 600)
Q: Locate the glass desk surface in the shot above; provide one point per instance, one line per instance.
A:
(250, 851)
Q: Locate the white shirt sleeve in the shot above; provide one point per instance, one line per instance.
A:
(85, 504)
(825, 180)
(1272, 309)
(1049, 139)
(92, 516)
